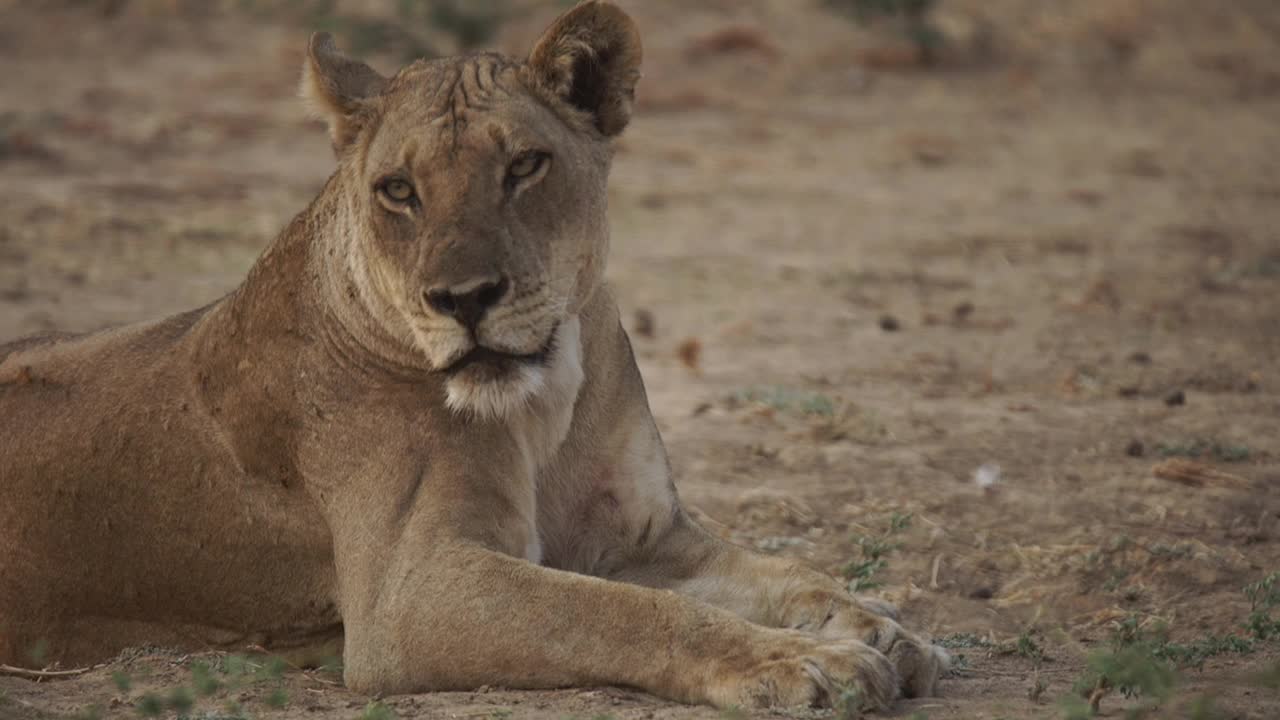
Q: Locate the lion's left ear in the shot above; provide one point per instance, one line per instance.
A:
(590, 59)
(337, 87)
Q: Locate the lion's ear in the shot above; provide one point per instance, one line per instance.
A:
(590, 59)
(337, 87)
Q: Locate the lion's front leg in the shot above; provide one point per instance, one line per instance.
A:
(779, 592)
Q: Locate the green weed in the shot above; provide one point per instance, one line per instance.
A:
(787, 400)
(860, 573)
(1202, 448)
(1264, 600)
(376, 710)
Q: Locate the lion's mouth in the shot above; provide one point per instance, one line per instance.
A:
(490, 362)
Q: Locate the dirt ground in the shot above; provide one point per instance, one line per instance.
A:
(991, 294)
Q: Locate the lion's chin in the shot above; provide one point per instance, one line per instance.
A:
(493, 389)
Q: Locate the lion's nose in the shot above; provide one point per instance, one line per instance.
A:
(467, 303)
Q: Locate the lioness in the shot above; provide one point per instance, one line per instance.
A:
(416, 431)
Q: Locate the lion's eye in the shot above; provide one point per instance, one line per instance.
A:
(525, 165)
(397, 190)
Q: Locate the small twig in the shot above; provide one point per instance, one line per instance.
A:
(44, 674)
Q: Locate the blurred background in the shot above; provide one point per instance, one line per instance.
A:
(974, 303)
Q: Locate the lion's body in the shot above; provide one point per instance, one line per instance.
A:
(132, 517)
(416, 432)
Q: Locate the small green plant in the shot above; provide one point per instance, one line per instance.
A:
(204, 680)
(277, 699)
(861, 572)
(899, 522)
(1202, 448)
(1264, 600)
(180, 699)
(787, 400)
(910, 17)
(376, 710)
(122, 681)
(1027, 647)
(150, 705)
(963, 640)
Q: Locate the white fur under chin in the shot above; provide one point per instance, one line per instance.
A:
(497, 398)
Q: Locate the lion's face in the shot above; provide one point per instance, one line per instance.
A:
(476, 195)
(482, 220)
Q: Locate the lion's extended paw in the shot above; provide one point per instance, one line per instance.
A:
(799, 670)
(919, 663)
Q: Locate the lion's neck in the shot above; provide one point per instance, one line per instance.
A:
(361, 328)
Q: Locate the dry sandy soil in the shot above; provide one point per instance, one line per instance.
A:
(1057, 252)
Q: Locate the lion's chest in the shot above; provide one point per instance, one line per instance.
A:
(540, 427)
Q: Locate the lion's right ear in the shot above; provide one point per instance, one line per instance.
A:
(337, 88)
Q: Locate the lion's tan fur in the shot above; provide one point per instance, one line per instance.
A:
(294, 466)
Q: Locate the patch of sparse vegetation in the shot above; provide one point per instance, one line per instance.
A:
(377, 710)
(1202, 448)
(1175, 551)
(1264, 600)
(1143, 664)
(911, 18)
(1025, 646)
(963, 641)
(223, 675)
(150, 705)
(860, 573)
(122, 681)
(786, 400)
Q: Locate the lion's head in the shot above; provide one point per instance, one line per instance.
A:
(475, 194)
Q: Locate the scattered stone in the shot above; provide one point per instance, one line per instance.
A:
(644, 324)
(889, 323)
(690, 353)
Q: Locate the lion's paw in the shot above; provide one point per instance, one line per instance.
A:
(810, 672)
(919, 664)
